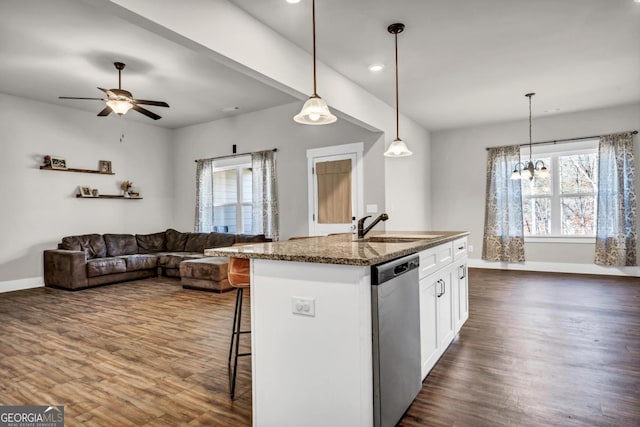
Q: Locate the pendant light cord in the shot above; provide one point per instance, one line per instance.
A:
(529, 95)
(397, 96)
(313, 17)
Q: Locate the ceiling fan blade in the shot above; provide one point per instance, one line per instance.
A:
(75, 97)
(147, 102)
(107, 110)
(147, 113)
(108, 92)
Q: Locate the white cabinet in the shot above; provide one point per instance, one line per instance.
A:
(436, 317)
(460, 294)
(444, 303)
(433, 259)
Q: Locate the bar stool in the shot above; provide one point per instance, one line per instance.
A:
(240, 279)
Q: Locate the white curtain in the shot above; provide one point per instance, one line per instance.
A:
(265, 195)
(503, 231)
(616, 224)
(204, 196)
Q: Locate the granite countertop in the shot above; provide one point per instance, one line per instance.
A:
(343, 248)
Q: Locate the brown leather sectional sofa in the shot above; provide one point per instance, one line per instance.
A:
(93, 259)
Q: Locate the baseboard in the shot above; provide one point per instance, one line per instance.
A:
(557, 267)
(20, 284)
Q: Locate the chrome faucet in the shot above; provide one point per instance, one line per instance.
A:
(363, 231)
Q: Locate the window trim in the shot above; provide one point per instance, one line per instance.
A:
(554, 152)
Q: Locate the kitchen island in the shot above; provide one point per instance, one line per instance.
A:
(311, 320)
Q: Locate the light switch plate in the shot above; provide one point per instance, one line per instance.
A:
(303, 306)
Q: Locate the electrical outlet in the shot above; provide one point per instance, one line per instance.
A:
(303, 306)
(470, 248)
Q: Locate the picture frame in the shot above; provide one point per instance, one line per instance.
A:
(104, 166)
(86, 191)
(58, 162)
(95, 192)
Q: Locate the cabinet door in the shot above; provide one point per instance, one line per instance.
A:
(461, 303)
(446, 325)
(429, 349)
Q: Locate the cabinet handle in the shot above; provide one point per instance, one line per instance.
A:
(460, 248)
(441, 290)
(444, 287)
(461, 272)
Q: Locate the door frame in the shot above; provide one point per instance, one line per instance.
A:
(358, 175)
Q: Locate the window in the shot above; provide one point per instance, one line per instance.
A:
(564, 203)
(232, 198)
(224, 195)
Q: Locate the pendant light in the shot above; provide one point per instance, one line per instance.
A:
(397, 148)
(315, 111)
(535, 169)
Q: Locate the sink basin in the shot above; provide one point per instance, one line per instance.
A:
(399, 238)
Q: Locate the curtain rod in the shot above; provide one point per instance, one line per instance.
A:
(556, 141)
(235, 155)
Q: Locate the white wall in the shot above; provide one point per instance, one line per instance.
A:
(204, 26)
(263, 130)
(39, 207)
(458, 166)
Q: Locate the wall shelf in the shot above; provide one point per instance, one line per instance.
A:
(48, 168)
(109, 196)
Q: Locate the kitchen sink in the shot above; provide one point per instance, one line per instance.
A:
(398, 238)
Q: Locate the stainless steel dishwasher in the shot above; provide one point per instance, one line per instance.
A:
(395, 313)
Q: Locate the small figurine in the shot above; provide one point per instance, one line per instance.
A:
(47, 161)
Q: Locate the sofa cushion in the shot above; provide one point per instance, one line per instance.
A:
(173, 259)
(102, 266)
(250, 238)
(149, 243)
(210, 268)
(196, 242)
(220, 240)
(120, 244)
(140, 262)
(176, 240)
(93, 245)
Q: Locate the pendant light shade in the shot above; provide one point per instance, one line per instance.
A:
(398, 148)
(315, 111)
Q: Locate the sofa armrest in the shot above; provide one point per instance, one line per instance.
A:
(65, 269)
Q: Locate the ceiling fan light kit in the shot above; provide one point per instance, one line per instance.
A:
(535, 169)
(120, 101)
(398, 147)
(315, 111)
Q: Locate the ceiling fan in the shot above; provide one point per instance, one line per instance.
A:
(120, 101)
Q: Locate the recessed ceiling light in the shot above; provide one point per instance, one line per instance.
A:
(376, 67)
(293, 1)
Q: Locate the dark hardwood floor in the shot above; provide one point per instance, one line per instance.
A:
(538, 350)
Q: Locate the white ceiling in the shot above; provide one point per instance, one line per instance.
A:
(462, 62)
(52, 48)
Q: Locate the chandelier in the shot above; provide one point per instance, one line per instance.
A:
(530, 169)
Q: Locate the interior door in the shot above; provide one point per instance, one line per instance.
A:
(334, 194)
(335, 183)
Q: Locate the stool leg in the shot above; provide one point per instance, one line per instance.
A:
(233, 328)
(236, 333)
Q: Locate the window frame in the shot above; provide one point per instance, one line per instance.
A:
(554, 152)
(238, 164)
